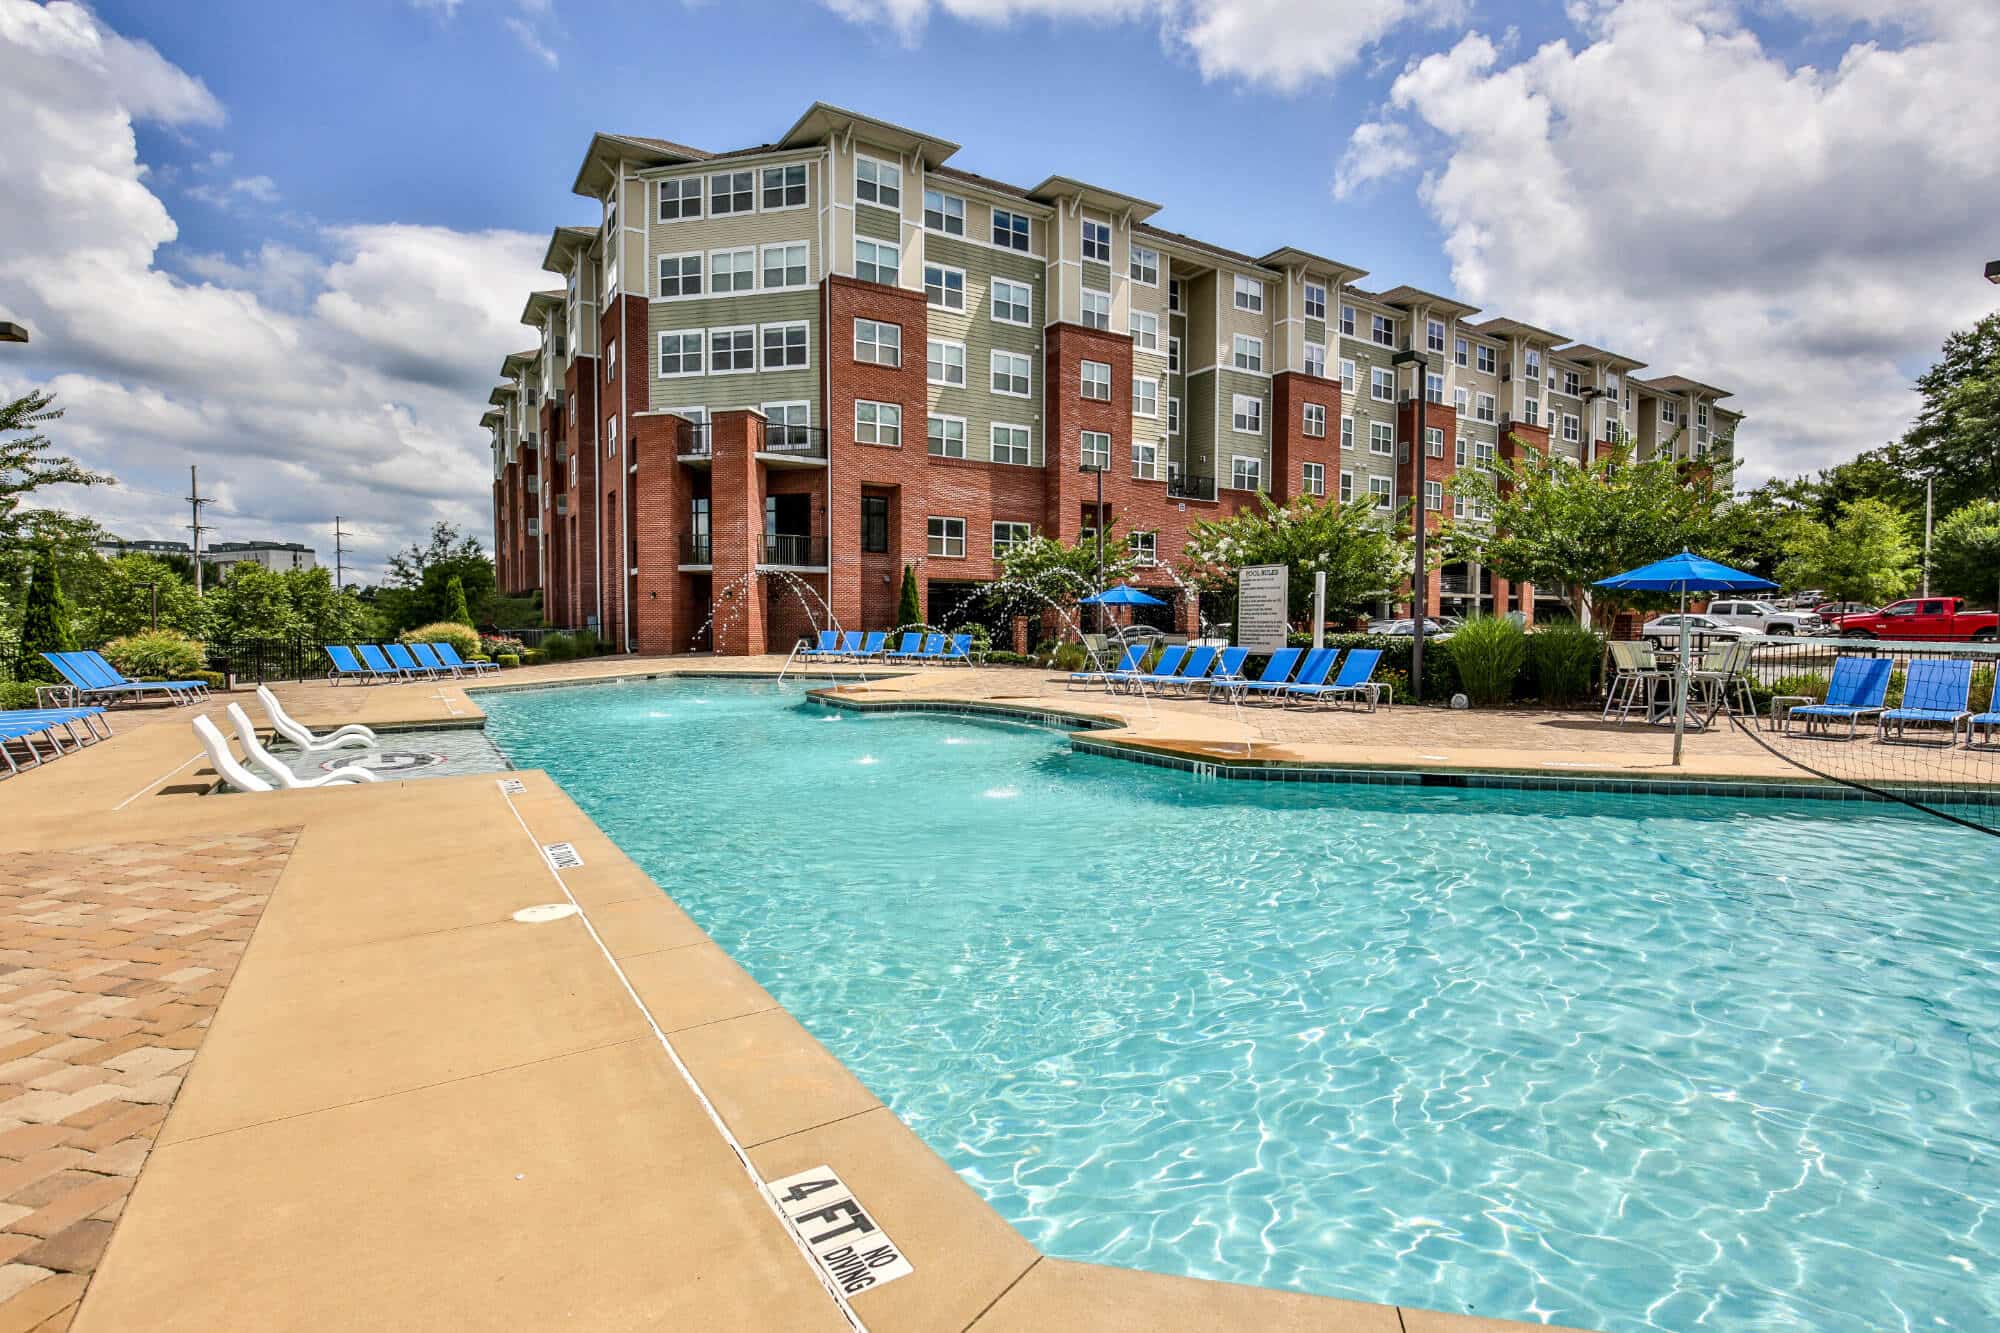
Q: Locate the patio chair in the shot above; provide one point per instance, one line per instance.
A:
(828, 645)
(1634, 676)
(873, 645)
(1128, 665)
(1182, 669)
(933, 650)
(102, 672)
(283, 723)
(1228, 669)
(958, 648)
(24, 724)
(909, 647)
(1310, 683)
(1935, 692)
(89, 680)
(427, 658)
(242, 779)
(1276, 674)
(346, 666)
(1169, 663)
(253, 749)
(377, 662)
(1990, 719)
(449, 656)
(400, 654)
(1856, 690)
(1723, 680)
(1356, 680)
(1194, 671)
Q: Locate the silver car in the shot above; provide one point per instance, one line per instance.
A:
(1667, 629)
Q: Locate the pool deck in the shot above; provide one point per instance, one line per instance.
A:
(287, 1060)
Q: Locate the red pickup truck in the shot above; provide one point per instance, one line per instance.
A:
(1922, 618)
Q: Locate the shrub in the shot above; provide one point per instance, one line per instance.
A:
(1489, 652)
(530, 656)
(558, 648)
(45, 626)
(1002, 657)
(1068, 657)
(494, 646)
(463, 638)
(17, 694)
(509, 660)
(1564, 658)
(1440, 672)
(1809, 684)
(161, 656)
(587, 644)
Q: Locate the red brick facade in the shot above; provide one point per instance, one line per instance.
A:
(1291, 447)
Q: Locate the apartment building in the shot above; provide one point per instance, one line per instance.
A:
(271, 555)
(780, 375)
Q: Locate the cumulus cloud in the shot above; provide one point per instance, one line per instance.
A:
(1667, 185)
(305, 384)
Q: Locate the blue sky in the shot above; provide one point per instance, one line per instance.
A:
(291, 242)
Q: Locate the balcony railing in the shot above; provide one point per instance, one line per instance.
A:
(793, 441)
(1186, 486)
(697, 548)
(794, 548)
(695, 441)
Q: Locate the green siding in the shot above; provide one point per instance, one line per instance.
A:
(877, 224)
(1316, 333)
(738, 390)
(1198, 427)
(1250, 446)
(1096, 276)
(982, 337)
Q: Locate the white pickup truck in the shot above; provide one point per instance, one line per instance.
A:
(1763, 618)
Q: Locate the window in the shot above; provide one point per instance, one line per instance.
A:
(680, 199)
(1667, 413)
(1701, 415)
(944, 437)
(1146, 330)
(1614, 433)
(1347, 432)
(1572, 429)
(1173, 416)
(1011, 302)
(944, 362)
(1433, 442)
(732, 351)
(1434, 495)
(785, 187)
(1094, 449)
(1097, 241)
(1174, 294)
(947, 538)
(1248, 353)
(1145, 266)
(1246, 474)
(1461, 399)
(1316, 359)
(1433, 387)
(1346, 488)
(1096, 309)
(875, 524)
(1611, 385)
(1534, 363)
(611, 361)
(1009, 444)
(1382, 491)
(1312, 478)
(1486, 361)
(1096, 380)
(1145, 547)
(785, 266)
(1482, 455)
(1249, 294)
(1382, 330)
(1315, 301)
(1486, 408)
(944, 288)
(944, 212)
(878, 423)
(732, 271)
(1246, 414)
(1381, 385)
(1459, 453)
(1461, 352)
(730, 192)
(877, 343)
(1533, 409)
(1346, 375)
(1010, 374)
(1381, 438)
(792, 421)
(1347, 321)
(1145, 460)
(785, 346)
(877, 261)
(1434, 335)
(1572, 384)
(1145, 396)
(1006, 536)
(878, 183)
(1315, 420)
(1010, 230)
(680, 354)
(680, 275)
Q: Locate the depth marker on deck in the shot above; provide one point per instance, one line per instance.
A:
(562, 856)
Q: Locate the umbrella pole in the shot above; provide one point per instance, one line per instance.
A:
(1681, 681)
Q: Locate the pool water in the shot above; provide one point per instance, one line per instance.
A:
(1618, 1062)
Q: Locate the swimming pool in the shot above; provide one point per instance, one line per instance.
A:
(1612, 1061)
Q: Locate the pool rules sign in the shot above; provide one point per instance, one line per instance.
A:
(847, 1244)
(1261, 623)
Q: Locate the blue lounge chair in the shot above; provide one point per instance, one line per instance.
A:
(449, 656)
(828, 645)
(872, 646)
(1228, 669)
(1164, 669)
(400, 654)
(908, 648)
(933, 648)
(428, 659)
(1193, 672)
(1990, 719)
(850, 644)
(1128, 665)
(1276, 672)
(1857, 689)
(346, 666)
(377, 662)
(103, 673)
(24, 724)
(1936, 691)
(1356, 679)
(958, 648)
(90, 682)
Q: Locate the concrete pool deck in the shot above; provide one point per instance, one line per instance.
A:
(407, 1109)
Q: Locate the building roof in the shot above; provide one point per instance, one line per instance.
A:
(1681, 384)
(1499, 327)
(1288, 256)
(501, 393)
(1095, 196)
(564, 242)
(214, 547)
(984, 182)
(493, 414)
(1407, 297)
(606, 150)
(538, 304)
(823, 119)
(1191, 243)
(1587, 355)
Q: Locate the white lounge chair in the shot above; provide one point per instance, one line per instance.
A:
(295, 732)
(242, 779)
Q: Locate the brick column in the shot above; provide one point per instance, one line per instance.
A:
(1291, 447)
(659, 517)
(586, 555)
(736, 525)
(1066, 414)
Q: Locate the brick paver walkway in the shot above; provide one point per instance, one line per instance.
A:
(112, 960)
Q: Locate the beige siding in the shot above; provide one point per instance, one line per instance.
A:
(737, 390)
(1231, 321)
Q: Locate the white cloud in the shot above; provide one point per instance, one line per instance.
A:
(256, 189)
(304, 385)
(1376, 150)
(531, 40)
(1669, 187)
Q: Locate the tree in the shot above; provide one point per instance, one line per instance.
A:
(123, 592)
(252, 603)
(1965, 552)
(324, 614)
(1955, 440)
(455, 609)
(1866, 555)
(420, 578)
(909, 608)
(45, 619)
(26, 465)
(1361, 558)
(1558, 524)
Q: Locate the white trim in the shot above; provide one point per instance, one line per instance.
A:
(878, 405)
(993, 357)
(947, 344)
(944, 270)
(786, 324)
(1236, 402)
(929, 417)
(1028, 435)
(660, 353)
(993, 303)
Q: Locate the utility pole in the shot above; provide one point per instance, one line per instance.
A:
(1929, 485)
(195, 502)
(339, 558)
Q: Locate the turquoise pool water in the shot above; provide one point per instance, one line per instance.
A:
(1625, 1063)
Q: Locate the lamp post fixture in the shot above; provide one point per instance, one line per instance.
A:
(1993, 270)
(1420, 584)
(1099, 471)
(11, 332)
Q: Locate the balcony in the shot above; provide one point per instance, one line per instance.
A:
(1186, 486)
(697, 548)
(795, 550)
(696, 444)
(804, 444)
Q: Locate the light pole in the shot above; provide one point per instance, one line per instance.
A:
(1099, 470)
(1419, 586)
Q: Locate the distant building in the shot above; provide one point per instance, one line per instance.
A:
(271, 555)
(113, 547)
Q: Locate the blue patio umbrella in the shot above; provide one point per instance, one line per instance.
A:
(1122, 594)
(1684, 573)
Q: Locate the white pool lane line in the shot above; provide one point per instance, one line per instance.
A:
(764, 1191)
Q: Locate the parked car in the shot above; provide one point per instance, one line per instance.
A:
(1829, 612)
(1667, 629)
(1407, 628)
(1931, 619)
(1804, 601)
(1763, 617)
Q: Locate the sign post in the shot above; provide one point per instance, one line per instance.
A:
(1319, 608)
(1261, 620)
